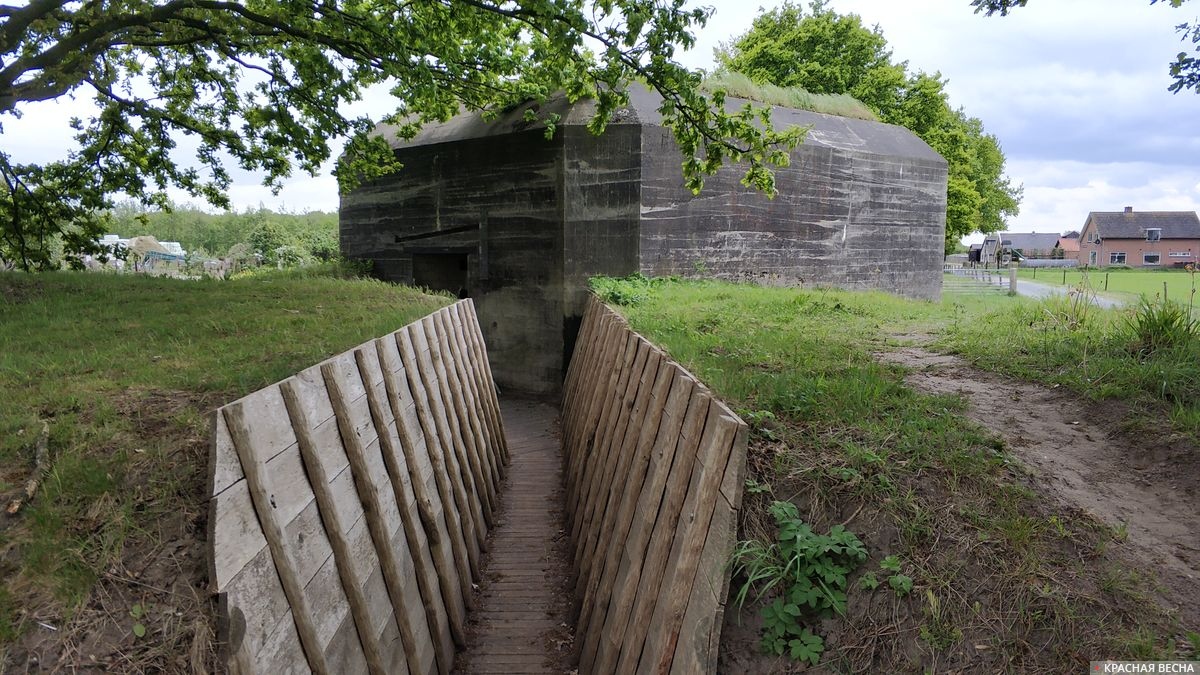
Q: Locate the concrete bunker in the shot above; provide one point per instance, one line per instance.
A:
(518, 222)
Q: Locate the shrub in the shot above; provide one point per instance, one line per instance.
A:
(626, 291)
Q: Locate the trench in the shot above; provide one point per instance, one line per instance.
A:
(386, 511)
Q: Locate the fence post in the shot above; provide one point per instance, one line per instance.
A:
(1012, 279)
(1106, 281)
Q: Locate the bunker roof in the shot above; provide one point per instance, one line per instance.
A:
(830, 131)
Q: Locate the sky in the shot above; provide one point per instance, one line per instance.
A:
(1075, 91)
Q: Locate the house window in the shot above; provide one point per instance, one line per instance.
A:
(1091, 237)
(1179, 254)
(1153, 234)
(1092, 258)
(1116, 258)
(1151, 258)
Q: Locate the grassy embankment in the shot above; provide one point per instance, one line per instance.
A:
(993, 577)
(1125, 284)
(124, 370)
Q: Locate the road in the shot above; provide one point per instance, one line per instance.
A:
(1034, 289)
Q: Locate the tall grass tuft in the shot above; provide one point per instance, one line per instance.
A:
(1159, 325)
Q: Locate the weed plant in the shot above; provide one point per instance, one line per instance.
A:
(809, 571)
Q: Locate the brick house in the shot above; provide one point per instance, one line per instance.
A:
(1069, 245)
(1140, 239)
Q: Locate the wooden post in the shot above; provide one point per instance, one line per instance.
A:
(435, 520)
(368, 493)
(335, 529)
(1106, 281)
(1012, 278)
(428, 584)
(455, 520)
(285, 565)
(1164, 292)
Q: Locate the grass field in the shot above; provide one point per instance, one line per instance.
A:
(1128, 284)
(994, 575)
(124, 370)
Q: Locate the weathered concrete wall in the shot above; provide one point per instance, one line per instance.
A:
(601, 213)
(498, 200)
(843, 217)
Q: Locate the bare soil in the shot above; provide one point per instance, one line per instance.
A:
(161, 568)
(1140, 479)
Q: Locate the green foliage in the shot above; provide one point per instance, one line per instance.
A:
(303, 236)
(139, 628)
(868, 581)
(901, 584)
(266, 84)
(626, 291)
(810, 570)
(827, 53)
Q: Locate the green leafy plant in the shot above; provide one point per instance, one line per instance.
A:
(137, 612)
(810, 571)
(756, 488)
(763, 423)
(868, 581)
(902, 584)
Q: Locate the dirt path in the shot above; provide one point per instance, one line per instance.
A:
(1146, 485)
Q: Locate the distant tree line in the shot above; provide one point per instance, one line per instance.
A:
(260, 234)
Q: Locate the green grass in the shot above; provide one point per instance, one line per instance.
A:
(1125, 284)
(125, 370)
(740, 86)
(841, 435)
(1101, 354)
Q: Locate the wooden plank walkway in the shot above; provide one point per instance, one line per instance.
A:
(523, 619)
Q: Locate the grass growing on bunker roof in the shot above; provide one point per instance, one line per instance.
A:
(1002, 580)
(741, 86)
(124, 371)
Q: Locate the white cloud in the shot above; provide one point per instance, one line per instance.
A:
(1059, 194)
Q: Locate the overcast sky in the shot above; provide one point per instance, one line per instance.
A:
(1076, 91)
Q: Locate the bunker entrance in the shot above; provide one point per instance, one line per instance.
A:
(442, 272)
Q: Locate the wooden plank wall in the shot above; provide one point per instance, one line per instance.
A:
(350, 505)
(654, 465)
